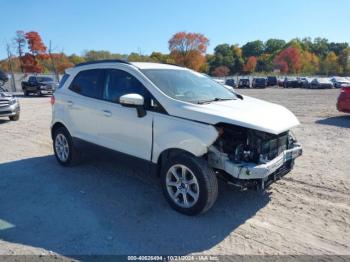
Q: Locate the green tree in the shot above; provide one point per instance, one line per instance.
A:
(273, 46)
(320, 47)
(344, 61)
(254, 48)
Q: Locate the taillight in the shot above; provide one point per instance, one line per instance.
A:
(52, 101)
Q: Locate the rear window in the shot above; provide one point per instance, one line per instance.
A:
(89, 83)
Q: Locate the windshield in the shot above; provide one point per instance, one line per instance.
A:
(45, 79)
(188, 86)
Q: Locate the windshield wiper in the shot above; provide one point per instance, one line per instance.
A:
(214, 100)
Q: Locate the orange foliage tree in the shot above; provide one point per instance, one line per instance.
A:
(221, 71)
(37, 51)
(289, 60)
(250, 66)
(188, 49)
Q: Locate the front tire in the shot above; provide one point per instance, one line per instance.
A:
(15, 117)
(189, 184)
(65, 152)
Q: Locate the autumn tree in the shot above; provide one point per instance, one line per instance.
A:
(310, 63)
(289, 60)
(37, 51)
(250, 66)
(188, 49)
(329, 65)
(221, 71)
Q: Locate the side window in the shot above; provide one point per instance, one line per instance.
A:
(89, 83)
(119, 83)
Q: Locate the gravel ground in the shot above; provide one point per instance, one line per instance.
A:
(112, 205)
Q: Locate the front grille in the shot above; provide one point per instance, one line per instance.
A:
(5, 112)
(4, 103)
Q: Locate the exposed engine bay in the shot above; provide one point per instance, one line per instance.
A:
(247, 154)
(248, 145)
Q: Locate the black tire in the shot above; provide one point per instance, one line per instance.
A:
(25, 93)
(15, 117)
(207, 182)
(73, 154)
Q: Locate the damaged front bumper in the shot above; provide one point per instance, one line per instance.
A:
(245, 171)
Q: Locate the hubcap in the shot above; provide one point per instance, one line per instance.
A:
(62, 148)
(182, 186)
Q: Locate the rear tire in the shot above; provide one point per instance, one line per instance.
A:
(15, 117)
(192, 191)
(65, 151)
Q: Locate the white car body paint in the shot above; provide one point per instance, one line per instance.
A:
(186, 126)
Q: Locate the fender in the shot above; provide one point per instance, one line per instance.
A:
(176, 133)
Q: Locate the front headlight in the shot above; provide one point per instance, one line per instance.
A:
(13, 101)
(291, 139)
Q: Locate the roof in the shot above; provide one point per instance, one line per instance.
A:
(139, 65)
(145, 65)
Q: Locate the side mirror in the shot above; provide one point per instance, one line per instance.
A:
(134, 100)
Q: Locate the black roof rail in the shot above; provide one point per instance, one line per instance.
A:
(104, 61)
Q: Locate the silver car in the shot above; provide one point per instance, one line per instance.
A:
(9, 105)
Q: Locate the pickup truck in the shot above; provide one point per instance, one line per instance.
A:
(3, 78)
(41, 85)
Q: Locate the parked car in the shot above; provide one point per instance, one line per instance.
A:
(321, 83)
(339, 81)
(3, 78)
(220, 81)
(305, 82)
(244, 83)
(259, 82)
(40, 85)
(280, 82)
(343, 103)
(9, 105)
(190, 128)
(291, 82)
(231, 82)
(272, 81)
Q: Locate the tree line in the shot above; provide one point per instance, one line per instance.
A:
(299, 56)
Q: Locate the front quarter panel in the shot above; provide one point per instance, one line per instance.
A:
(177, 133)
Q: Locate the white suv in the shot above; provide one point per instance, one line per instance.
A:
(192, 128)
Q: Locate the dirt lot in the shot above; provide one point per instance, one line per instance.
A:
(111, 205)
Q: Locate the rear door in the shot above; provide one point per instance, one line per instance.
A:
(83, 103)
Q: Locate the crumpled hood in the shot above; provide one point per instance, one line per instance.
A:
(249, 112)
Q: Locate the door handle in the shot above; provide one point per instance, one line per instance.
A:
(70, 103)
(107, 113)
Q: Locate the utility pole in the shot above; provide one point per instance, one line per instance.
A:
(53, 63)
(9, 60)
